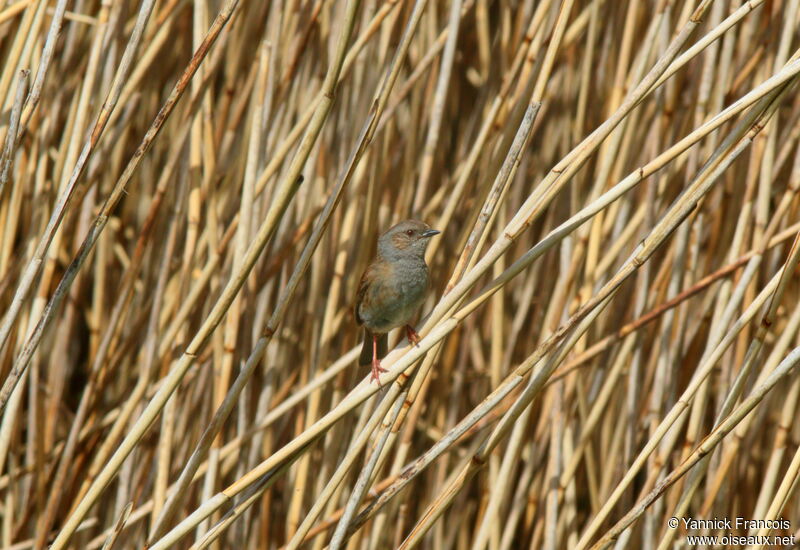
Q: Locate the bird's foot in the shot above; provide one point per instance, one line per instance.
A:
(377, 370)
(412, 335)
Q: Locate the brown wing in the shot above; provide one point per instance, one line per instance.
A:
(362, 289)
(373, 292)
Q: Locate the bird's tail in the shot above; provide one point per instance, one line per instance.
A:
(366, 349)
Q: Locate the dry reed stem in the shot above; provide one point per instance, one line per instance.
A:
(616, 182)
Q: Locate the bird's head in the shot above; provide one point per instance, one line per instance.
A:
(407, 238)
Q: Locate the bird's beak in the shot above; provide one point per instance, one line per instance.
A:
(430, 233)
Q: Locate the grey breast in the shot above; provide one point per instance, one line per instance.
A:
(413, 284)
(409, 284)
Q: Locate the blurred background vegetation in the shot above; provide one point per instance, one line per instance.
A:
(190, 190)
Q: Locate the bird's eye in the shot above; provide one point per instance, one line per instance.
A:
(410, 232)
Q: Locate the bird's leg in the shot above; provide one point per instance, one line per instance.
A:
(376, 363)
(412, 335)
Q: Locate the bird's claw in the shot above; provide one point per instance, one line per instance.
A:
(412, 335)
(377, 370)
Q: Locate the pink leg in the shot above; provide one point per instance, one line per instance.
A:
(412, 335)
(376, 363)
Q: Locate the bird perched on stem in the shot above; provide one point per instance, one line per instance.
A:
(392, 288)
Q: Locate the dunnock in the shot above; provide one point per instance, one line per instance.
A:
(392, 288)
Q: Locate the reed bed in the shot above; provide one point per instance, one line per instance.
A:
(190, 190)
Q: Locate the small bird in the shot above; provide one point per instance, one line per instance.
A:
(392, 288)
